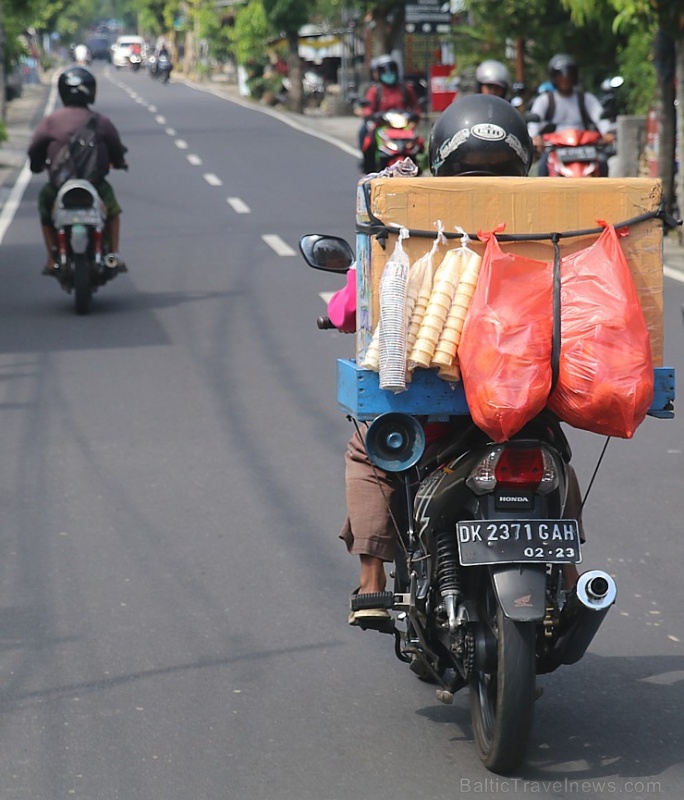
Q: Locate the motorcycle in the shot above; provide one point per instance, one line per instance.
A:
(135, 61)
(160, 68)
(479, 600)
(394, 137)
(610, 97)
(79, 218)
(575, 153)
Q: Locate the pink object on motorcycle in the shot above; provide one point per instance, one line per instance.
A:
(342, 305)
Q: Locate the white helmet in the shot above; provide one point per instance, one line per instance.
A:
(493, 73)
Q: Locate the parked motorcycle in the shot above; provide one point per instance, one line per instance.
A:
(82, 266)
(313, 89)
(610, 97)
(479, 600)
(394, 137)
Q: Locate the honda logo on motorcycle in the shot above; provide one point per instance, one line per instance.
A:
(517, 500)
(488, 131)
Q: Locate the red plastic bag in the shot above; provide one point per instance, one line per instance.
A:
(605, 381)
(505, 349)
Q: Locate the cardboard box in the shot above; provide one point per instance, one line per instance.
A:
(525, 206)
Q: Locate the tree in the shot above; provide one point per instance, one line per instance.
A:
(539, 29)
(287, 17)
(16, 16)
(386, 21)
(668, 55)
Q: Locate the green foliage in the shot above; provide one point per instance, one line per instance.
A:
(635, 64)
(546, 27)
(288, 16)
(69, 18)
(250, 34)
(3, 132)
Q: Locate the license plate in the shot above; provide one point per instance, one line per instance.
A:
(544, 541)
(586, 153)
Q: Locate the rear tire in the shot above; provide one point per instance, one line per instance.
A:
(502, 701)
(82, 288)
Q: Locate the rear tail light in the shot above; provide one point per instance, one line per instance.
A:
(514, 467)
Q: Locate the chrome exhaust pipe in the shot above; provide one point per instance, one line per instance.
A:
(582, 615)
(112, 261)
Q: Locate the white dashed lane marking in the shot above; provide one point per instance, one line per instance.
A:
(276, 243)
(170, 131)
(238, 206)
(194, 160)
(161, 119)
(213, 180)
(181, 144)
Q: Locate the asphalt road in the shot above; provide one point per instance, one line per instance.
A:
(173, 597)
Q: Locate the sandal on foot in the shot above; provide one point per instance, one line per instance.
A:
(376, 610)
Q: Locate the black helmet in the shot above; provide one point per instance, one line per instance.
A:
(77, 87)
(480, 134)
(563, 64)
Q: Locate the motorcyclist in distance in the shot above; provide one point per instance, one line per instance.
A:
(82, 55)
(567, 107)
(388, 93)
(77, 88)
(491, 77)
(373, 495)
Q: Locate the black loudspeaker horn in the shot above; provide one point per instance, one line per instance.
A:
(395, 441)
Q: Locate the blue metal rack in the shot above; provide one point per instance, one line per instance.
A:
(359, 395)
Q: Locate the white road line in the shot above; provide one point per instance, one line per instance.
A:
(675, 274)
(170, 131)
(181, 144)
(325, 296)
(274, 241)
(152, 109)
(194, 160)
(11, 205)
(160, 119)
(213, 180)
(238, 206)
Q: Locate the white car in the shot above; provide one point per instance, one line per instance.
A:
(122, 47)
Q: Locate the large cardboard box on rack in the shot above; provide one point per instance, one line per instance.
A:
(524, 206)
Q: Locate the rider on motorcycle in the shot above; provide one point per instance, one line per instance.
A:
(161, 57)
(388, 93)
(567, 107)
(491, 77)
(77, 87)
(374, 497)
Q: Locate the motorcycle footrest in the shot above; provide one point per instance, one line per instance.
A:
(361, 602)
(379, 624)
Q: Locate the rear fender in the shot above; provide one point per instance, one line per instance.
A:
(520, 590)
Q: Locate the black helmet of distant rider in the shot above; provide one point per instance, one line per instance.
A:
(77, 87)
(480, 134)
(563, 65)
(387, 70)
(492, 73)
